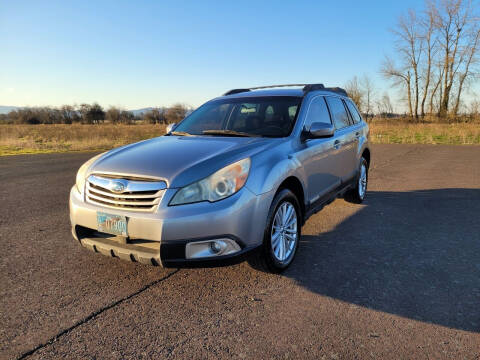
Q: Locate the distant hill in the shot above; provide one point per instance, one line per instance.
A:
(7, 109)
(140, 111)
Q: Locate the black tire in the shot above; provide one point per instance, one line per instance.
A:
(355, 195)
(264, 259)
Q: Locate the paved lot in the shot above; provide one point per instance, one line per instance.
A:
(396, 277)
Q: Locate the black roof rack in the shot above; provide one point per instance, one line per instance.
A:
(306, 88)
(337, 90)
(235, 91)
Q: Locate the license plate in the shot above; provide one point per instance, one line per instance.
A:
(112, 224)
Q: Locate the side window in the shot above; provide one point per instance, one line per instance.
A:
(292, 111)
(339, 113)
(317, 112)
(353, 111)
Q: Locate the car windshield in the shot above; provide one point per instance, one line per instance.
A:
(272, 116)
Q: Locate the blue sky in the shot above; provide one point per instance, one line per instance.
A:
(153, 53)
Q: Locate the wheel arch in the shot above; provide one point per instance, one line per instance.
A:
(294, 184)
(366, 155)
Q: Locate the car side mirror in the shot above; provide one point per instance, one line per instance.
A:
(170, 127)
(319, 130)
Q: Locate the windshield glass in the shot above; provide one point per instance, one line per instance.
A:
(272, 116)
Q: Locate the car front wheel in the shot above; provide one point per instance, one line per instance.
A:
(281, 236)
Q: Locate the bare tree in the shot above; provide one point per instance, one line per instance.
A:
(437, 88)
(458, 29)
(368, 91)
(409, 45)
(401, 77)
(355, 92)
(176, 113)
(155, 116)
(468, 59)
(92, 114)
(384, 105)
(69, 114)
(113, 115)
(429, 38)
(361, 91)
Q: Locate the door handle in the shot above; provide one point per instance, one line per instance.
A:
(357, 134)
(337, 144)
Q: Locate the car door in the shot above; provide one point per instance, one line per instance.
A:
(358, 129)
(344, 140)
(318, 156)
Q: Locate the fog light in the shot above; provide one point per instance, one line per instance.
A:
(210, 248)
(216, 246)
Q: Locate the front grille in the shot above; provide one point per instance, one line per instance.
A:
(135, 196)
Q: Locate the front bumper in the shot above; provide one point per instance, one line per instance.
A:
(160, 237)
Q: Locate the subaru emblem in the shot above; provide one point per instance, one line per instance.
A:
(117, 187)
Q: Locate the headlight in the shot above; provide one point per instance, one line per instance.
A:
(217, 186)
(82, 173)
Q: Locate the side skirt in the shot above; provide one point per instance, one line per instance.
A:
(319, 204)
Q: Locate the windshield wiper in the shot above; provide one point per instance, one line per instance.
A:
(180, 133)
(228, 133)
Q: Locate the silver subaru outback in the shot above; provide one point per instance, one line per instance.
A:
(234, 180)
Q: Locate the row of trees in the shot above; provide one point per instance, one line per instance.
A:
(93, 114)
(436, 56)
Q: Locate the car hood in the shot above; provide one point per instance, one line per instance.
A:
(179, 160)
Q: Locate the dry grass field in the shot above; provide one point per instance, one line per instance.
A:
(27, 139)
(424, 133)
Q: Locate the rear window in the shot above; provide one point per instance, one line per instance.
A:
(338, 111)
(353, 111)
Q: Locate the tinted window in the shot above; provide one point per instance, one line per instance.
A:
(292, 111)
(257, 116)
(317, 112)
(353, 111)
(339, 113)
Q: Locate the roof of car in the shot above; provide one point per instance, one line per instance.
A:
(268, 92)
(283, 90)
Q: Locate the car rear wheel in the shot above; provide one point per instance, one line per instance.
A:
(281, 235)
(358, 193)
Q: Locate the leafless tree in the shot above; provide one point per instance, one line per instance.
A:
(355, 92)
(113, 115)
(368, 89)
(401, 77)
(458, 28)
(469, 58)
(69, 114)
(155, 116)
(384, 105)
(409, 45)
(429, 38)
(437, 55)
(176, 113)
(92, 114)
(361, 91)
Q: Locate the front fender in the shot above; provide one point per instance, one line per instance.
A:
(268, 172)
